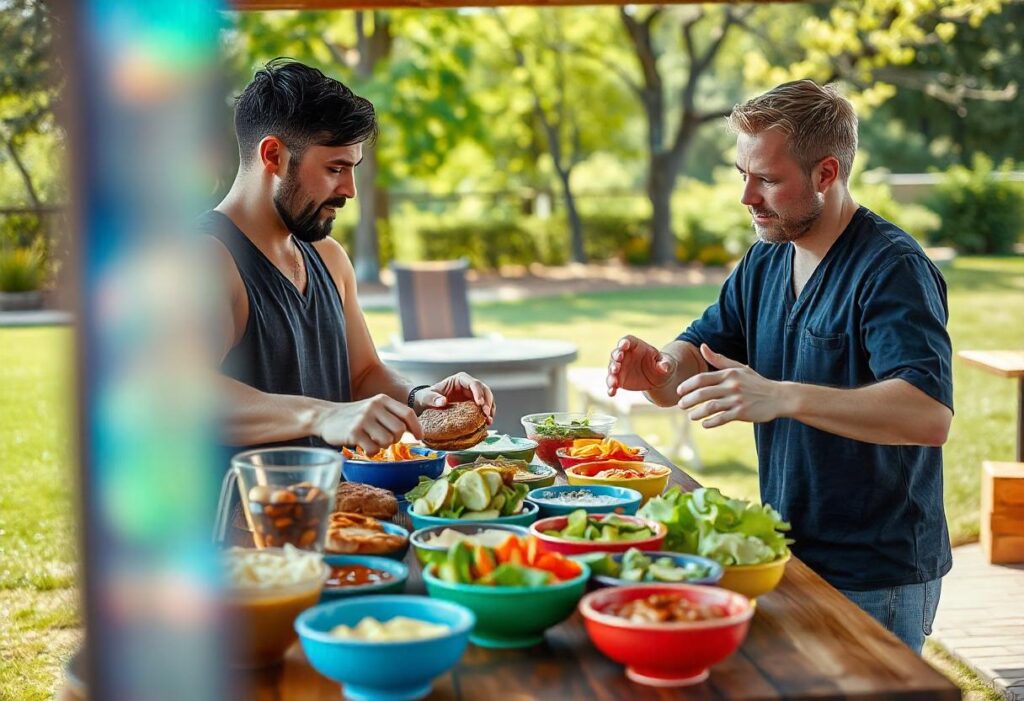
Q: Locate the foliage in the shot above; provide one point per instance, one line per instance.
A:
(21, 270)
(980, 213)
(28, 84)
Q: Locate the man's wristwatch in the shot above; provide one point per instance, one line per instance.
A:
(411, 401)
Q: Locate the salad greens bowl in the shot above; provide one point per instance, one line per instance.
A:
(746, 538)
(554, 430)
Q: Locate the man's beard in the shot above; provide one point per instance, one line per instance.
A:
(784, 229)
(303, 220)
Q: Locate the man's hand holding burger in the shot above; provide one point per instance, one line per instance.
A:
(460, 387)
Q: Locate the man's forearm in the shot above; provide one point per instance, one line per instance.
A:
(686, 363)
(892, 412)
(380, 379)
(252, 416)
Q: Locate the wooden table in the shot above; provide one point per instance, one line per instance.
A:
(1005, 364)
(806, 641)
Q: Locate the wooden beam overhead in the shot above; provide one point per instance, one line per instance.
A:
(381, 4)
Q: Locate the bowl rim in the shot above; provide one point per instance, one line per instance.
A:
(660, 529)
(641, 452)
(587, 610)
(530, 444)
(635, 494)
(414, 539)
(573, 471)
(463, 627)
(443, 520)
(439, 455)
(399, 576)
(717, 568)
(580, 579)
(759, 565)
(593, 416)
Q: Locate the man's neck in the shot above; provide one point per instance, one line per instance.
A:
(250, 206)
(836, 216)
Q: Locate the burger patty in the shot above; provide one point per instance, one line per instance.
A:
(460, 443)
(455, 427)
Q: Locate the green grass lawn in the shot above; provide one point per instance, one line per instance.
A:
(38, 607)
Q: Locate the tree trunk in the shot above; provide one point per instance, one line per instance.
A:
(579, 252)
(660, 181)
(372, 49)
(367, 254)
(25, 176)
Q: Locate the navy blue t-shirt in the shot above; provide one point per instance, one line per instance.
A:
(865, 516)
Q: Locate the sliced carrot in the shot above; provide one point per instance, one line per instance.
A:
(532, 549)
(483, 561)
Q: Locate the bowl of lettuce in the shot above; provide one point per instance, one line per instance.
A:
(747, 539)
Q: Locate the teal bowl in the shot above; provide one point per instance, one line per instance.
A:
(511, 447)
(524, 518)
(383, 671)
(427, 553)
(398, 571)
(622, 500)
(511, 617)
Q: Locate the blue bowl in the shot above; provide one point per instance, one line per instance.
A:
(395, 529)
(524, 518)
(398, 477)
(681, 559)
(398, 571)
(384, 671)
(627, 500)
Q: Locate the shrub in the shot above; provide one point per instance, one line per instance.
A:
(979, 213)
(21, 270)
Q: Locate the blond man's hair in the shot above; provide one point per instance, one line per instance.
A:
(816, 120)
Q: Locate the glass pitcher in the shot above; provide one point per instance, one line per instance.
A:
(287, 495)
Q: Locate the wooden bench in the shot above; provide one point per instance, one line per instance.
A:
(1002, 511)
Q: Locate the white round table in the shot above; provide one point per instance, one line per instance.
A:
(527, 375)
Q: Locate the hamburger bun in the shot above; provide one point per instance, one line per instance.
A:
(457, 426)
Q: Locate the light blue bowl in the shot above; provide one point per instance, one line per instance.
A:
(427, 553)
(398, 477)
(681, 559)
(384, 671)
(398, 571)
(524, 518)
(627, 500)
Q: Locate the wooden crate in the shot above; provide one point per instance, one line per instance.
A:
(1002, 511)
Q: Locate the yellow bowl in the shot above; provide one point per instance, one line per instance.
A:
(754, 580)
(649, 486)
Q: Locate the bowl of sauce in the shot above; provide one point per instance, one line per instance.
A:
(357, 575)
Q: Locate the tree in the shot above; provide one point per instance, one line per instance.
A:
(28, 85)
(576, 108)
(676, 51)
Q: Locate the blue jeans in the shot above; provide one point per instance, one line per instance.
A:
(908, 611)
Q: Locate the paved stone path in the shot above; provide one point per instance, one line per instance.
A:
(981, 618)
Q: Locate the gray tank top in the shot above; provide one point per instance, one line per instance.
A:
(293, 343)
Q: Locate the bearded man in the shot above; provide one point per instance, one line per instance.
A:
(299, 365)
(829, 336)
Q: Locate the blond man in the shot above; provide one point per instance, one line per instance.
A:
(830, 338)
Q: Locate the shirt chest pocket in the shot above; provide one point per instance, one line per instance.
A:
(822, 357)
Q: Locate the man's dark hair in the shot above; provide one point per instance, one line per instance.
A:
(301, 106)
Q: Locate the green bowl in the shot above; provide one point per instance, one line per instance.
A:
(509, 617)
(515, 448)
(541, 475)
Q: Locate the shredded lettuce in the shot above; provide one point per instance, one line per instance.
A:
(730, 531)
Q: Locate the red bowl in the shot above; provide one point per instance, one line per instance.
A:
(552, 544)
(666, 654)
(568, 461)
